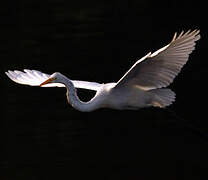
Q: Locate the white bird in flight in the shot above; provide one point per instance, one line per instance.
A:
(143, 85)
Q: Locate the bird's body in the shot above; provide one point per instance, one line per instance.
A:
(106, 97)
(143, 85)
(122, 99)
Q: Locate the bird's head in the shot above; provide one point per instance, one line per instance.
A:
(54, 78)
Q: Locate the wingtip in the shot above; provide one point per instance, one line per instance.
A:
(174, 37)
(194, 33)
(6, 73)
(9, 74)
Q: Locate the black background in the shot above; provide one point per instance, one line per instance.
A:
(44, 137)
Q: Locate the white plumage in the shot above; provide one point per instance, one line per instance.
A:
(143, 85)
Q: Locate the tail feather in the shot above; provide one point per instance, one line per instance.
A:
(162, 97)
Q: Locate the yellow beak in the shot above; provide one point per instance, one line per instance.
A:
(47, 81)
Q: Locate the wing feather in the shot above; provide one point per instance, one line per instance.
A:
(35, 78)
(159, 69)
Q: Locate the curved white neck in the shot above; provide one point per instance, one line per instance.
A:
(74, 100)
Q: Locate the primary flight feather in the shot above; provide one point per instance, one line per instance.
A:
(143, 85)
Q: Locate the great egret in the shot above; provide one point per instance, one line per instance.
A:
(143, 85)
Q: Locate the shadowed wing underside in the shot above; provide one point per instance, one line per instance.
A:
(158, 69)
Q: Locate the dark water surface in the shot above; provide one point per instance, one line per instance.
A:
(43, 137)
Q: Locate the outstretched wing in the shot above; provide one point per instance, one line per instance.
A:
(160, 68)
(35, 78)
